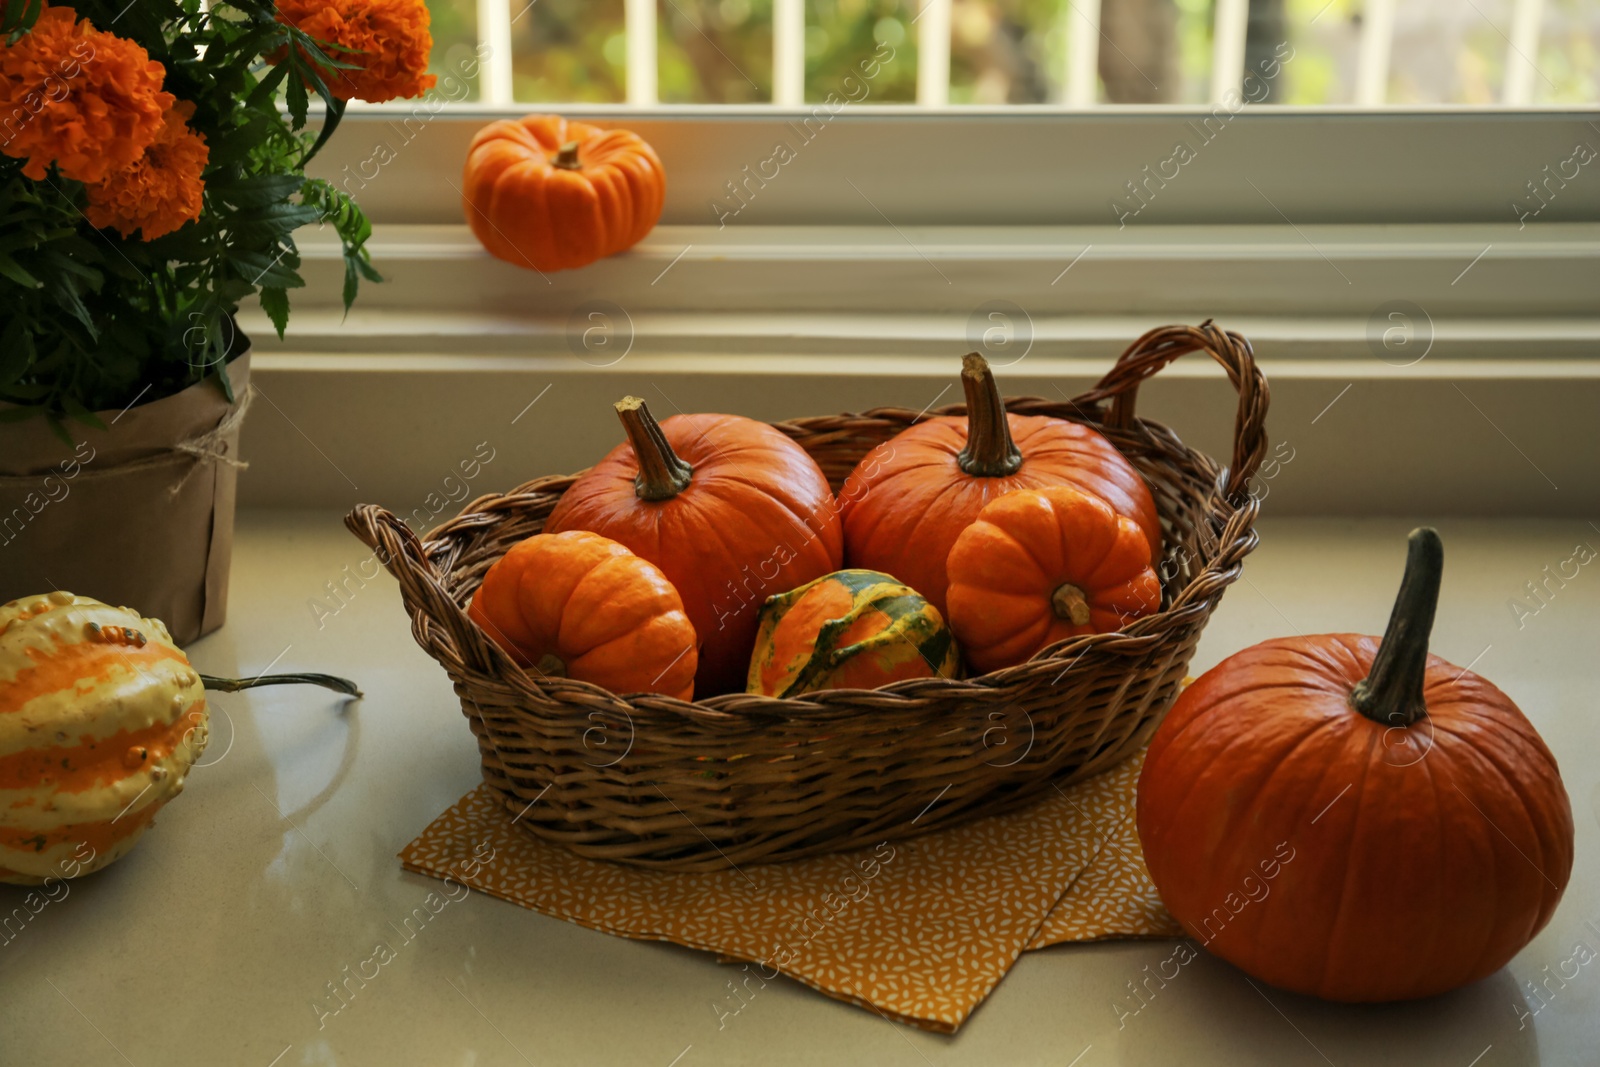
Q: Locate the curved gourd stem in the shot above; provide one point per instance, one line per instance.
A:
(662, 475)
(990, 452)
(327, 681)
(1391, 693)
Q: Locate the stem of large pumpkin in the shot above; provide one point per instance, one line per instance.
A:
(567, 157)
(327, 681)
(990, 452)
(1391, 693)
(662, 475)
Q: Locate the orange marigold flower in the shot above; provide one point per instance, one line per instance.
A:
(390, 39)
(161, 191)
(90, 102)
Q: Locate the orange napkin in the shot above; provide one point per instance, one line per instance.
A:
(919, 930)
(1114, 896)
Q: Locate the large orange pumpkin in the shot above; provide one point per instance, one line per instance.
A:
(1040, 565)
(731, 510)
(549, 194)
(909, 498)
(1356, 820)
(578, 605)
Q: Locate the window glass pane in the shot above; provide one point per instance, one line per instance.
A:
(1449, 52)
(1569, 53)
(455, 43)
(870, 41)
(1319, 66)
(1014, 51)
(714, 51)
(1186, 78)
(1006, 51)
(568, 50)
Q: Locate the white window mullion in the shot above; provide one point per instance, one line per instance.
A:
(1227, 50)
(788, 53)
(933, 53)
(1372, 62)
(639, 20)
(1523, 52)
(494, 69)
(1083, 53)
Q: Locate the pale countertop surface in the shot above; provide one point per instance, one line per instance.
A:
(212, 942)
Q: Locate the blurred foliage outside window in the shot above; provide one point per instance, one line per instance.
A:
(1014, 51)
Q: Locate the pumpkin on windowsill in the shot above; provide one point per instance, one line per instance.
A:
(101, 718)
(729, 508)
(578, 605)
(909, 499)
(548, 194)
(849, 630)
(1410, 827)
(1038, 566)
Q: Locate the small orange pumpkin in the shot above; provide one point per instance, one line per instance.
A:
(578, 605)
(909, 498)
(1356, 820)
(1041, 565)
(549, 194)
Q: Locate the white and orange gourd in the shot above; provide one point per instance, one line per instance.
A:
(101, 717)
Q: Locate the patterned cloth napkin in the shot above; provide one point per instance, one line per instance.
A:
(918, 930)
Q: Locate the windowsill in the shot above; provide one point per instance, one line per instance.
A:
(1496, 417)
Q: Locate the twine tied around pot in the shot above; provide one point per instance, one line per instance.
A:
(208, 447)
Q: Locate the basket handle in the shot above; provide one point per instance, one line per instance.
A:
(1161, 346)
(401, 552)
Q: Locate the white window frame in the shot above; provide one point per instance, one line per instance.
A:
(1080, 20)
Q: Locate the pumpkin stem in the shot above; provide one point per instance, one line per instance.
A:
(567, 158)
(552, 665)
(327, 681)
(1070, 604)
(1392, 693)
(990, 452)
(662, 475)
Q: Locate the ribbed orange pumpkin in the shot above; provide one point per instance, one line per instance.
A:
(1355, 820)
(1041, 565)
(731, 510)
(549, 194)
(578, 605)
(909, 498)
(101, 717)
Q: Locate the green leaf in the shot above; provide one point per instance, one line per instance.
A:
(257, 191)
(60, 430)
(13, 270)
(16, 351)
(352, 281)
(275, 271)
(330, 122)
(297, 100)
(75, 408)
(275, 302)
(266, 224)
(267, 87)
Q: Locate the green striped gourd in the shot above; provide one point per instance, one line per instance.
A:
(852, 629)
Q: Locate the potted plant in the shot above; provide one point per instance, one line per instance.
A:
(152, 176)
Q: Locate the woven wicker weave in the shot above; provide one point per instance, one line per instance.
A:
(739, 779)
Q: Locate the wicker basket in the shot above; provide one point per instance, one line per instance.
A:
(739, 779)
